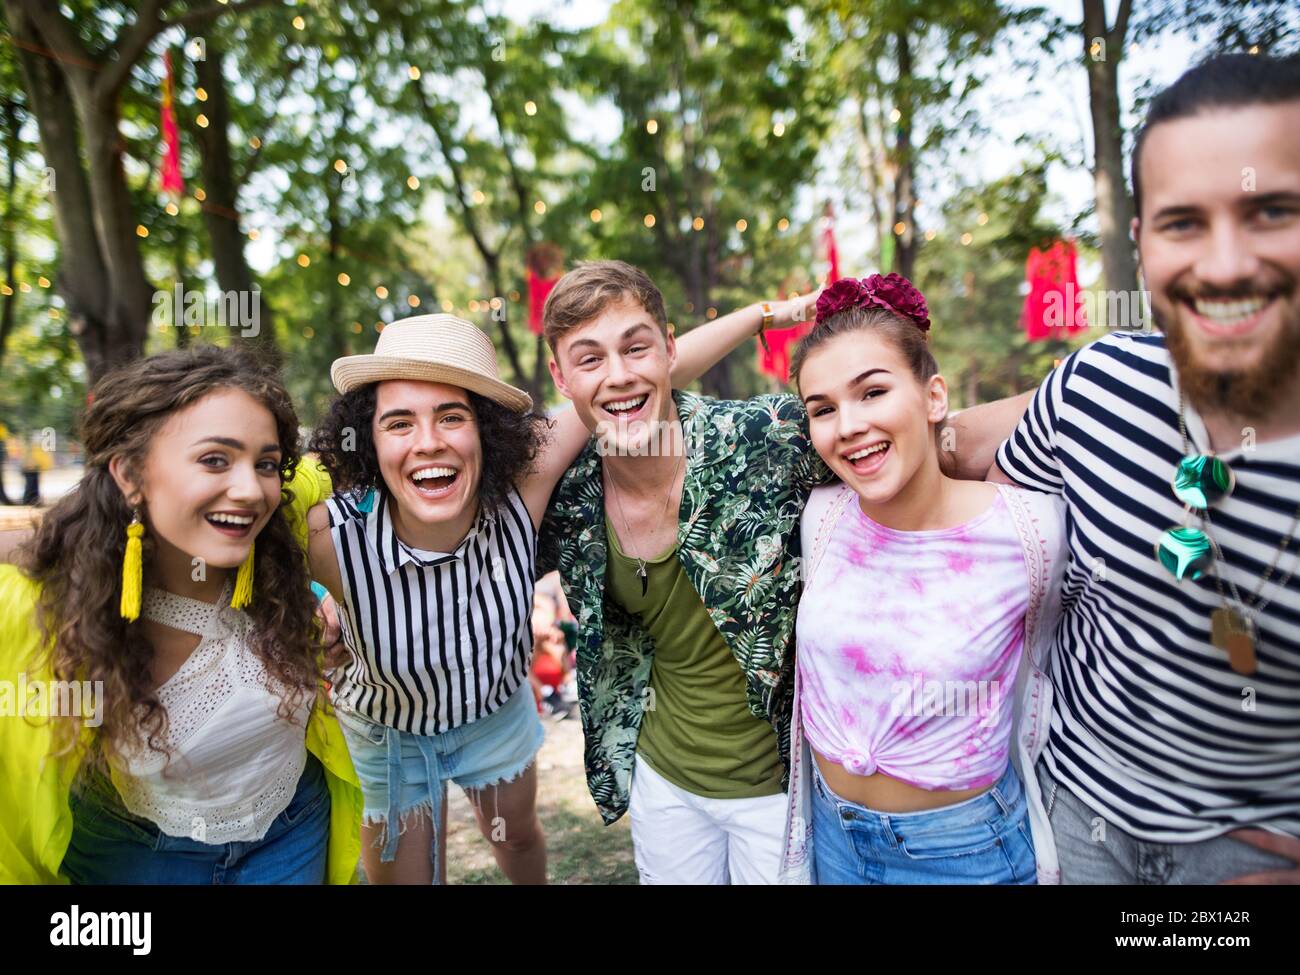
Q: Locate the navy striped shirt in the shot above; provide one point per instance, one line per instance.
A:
(438, 639)
(1151, 728)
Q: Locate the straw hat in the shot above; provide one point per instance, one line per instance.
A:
(432, 349)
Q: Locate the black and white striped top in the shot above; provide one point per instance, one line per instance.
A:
(1151, 727)
(438, 639)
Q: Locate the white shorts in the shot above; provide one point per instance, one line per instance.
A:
(681, 838)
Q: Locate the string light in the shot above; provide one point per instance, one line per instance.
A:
(929, 235)
(966, 239)
(299, 23)
(783, 225)
(900, 228)
(141, 230)
(495, 303)
(43, 281)
(895, 115)
(6, 290)
(344, 278)
(200, 195)
(596, 216)
(778, 129)
(473, 304)
(413, 182)
(201, 120)
(414, 72)
(711, 313)
(172, 209)
(255, 143)
(539, 207)
(479, 197)
(201, 94)
(356, 328)
(649, 220)
(448, 305)
(24, 287)
(982, 219)
(254, 234)
(413, 301)
(742, 225)
(652, 126)
(340, 166)
(697, 223)
(303, 260)
(530, 108)
(381, 292)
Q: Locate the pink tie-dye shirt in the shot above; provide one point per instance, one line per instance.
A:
(908, 647)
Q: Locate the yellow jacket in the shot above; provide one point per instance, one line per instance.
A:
(35, 820)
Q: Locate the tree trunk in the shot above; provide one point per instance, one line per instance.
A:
(82, 280)
(221, 208)
(904, 191)
(8, 302)
(1114, 206)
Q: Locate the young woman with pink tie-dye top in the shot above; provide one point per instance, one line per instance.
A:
(920, 592)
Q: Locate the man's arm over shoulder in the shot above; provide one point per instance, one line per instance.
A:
(1028, 456)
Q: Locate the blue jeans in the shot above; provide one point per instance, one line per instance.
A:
(984, 840)
(111, 846)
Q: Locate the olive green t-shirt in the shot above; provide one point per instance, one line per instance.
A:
(697, 731)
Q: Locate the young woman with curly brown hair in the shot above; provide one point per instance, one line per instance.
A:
(442, 475)
(199, 751)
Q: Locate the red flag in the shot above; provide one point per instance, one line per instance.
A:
(1054, 306)
(171, 165)
(828, 241)
(781, 342)
(538, 289)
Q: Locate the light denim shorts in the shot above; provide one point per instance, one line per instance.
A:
(402, 774)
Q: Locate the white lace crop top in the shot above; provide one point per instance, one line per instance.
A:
(233, 762)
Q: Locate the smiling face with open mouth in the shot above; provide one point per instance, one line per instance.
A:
(616, 370)
(871, 420)
(1219, 240)
(210, 482)
(427, 443)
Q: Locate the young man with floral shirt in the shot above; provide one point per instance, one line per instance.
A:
(685, 669)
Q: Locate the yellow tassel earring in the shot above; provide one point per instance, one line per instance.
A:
(244, 582)
(133, 569)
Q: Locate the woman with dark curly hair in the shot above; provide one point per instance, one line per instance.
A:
(170, 591)
(442, 475)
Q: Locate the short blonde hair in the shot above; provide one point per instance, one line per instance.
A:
(591, 287)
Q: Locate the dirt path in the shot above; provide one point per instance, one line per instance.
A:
(581, 850)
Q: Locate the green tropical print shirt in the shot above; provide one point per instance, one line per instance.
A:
(750, 466)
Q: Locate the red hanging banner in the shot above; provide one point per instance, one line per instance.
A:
(1054, 306)
(171, 180)
(780, 342)
(828, 242)
(545, 267)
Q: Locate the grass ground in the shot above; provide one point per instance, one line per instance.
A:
(580, 849)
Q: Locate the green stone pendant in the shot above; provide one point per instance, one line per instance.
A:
(1202, 479)
(1185, 552)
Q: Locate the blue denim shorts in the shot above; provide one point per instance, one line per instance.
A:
(983, 840)
(109, 845)
(402, 774)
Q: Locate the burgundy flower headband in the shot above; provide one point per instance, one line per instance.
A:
(891, 291)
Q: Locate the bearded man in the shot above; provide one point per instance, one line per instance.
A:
(1173, 754)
